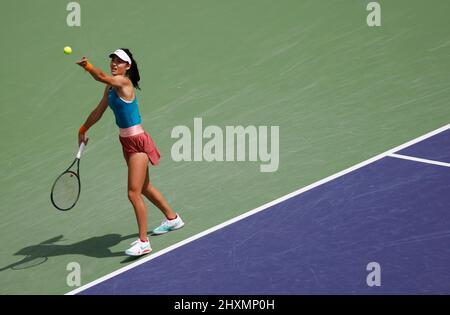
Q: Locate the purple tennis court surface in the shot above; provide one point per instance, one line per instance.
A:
(394, 212)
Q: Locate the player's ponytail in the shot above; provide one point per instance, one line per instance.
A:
(133, 72)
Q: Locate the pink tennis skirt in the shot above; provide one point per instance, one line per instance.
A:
(139, 143)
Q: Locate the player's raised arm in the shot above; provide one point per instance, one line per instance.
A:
(99, 75)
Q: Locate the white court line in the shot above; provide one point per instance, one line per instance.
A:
(411, 158)
(259, 209)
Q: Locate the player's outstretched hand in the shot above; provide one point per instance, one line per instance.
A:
(82, 63)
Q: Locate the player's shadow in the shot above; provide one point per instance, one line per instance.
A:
(97, 247)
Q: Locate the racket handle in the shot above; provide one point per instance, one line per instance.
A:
(80, 151)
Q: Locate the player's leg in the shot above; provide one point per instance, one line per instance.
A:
(173, 221)
(137, 169)
(157, 198)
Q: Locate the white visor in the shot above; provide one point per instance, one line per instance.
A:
(122, 55)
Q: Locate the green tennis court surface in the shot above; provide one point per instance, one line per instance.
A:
(340, 92)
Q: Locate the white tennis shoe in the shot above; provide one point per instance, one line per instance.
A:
(139, 248)
(169, 225)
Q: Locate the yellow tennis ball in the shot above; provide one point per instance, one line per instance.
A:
(67, 50)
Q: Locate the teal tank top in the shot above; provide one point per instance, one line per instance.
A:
(126, 113)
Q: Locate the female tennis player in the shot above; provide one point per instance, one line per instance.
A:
(137, 145)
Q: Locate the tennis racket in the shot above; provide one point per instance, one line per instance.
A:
(66, 188)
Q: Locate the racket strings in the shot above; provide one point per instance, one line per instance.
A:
(66, 191)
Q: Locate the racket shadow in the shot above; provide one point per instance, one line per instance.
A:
(97, 247)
